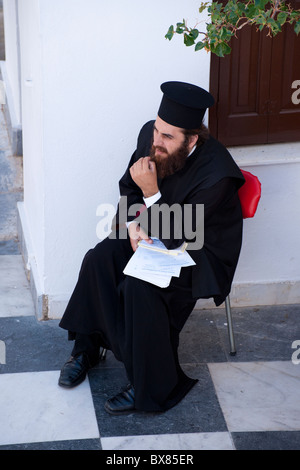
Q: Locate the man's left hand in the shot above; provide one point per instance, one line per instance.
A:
(136, 233)
(143, 173)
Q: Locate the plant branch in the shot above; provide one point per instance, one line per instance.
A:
(227, 19)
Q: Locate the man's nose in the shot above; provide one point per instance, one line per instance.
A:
(157, 141)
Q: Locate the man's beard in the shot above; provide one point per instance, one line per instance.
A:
(168, 163)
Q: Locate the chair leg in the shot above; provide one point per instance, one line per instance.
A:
(102, 355)
(230, 327)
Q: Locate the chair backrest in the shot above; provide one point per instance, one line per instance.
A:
(249, 194)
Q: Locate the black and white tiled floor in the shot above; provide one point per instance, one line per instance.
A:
(250, 401)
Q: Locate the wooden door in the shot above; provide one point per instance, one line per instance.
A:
(253, 89)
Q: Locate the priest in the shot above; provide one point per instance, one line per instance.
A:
(176, 161)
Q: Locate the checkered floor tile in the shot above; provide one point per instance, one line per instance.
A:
(249, 401)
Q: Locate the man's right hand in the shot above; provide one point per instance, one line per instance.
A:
(136, 233)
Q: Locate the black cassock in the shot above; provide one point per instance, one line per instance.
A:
(139, 321)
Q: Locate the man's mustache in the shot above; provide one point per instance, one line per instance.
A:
(161, 149)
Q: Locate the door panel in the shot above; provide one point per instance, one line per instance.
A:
(253, 88)
(284, 118)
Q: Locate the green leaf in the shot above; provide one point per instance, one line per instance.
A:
(295, 15)
(233, 17)
(188, 40)
(222, 49)
(275, 27)
(215, 7)
(268, 13)
(170, 33)
(282, 16)
(261, 3)
(203, 7)
(297, 27)
(251, 11)
(225, 34)
(241, 8)
(194, 33)
(211, 29)
(200, 45)
(261, 20)
(180, 27)
(229, 6)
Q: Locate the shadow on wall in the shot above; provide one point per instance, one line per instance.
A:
(2, 42)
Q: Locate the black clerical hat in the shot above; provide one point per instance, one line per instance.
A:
(184, 105)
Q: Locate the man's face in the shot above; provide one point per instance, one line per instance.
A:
(166, 138)
(170, 148)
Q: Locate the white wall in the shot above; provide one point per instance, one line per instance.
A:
(268, 271)
(91, 73)
(33, 130)
(11, 65)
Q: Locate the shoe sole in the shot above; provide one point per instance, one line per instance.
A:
(120, 412)
(73, 384)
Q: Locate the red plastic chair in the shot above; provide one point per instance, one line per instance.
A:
(249, 195)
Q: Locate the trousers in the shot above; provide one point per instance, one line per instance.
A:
(138, 321)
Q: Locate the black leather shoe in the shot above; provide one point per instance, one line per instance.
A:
(121, 403)
(74, 371)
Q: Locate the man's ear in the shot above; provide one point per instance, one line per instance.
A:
(193, 139)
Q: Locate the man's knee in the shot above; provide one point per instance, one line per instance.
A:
(137, 291)
(135, 285)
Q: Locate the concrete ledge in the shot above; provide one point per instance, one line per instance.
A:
(40, 300)
(260, 293)
(268, 154)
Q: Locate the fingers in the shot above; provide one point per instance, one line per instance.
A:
(134, 244)
(143, 165)
(136, 233)
(146, 163)
(143, 235)
(133, 235)
(152, 166)
(133, 231)
(144, 175)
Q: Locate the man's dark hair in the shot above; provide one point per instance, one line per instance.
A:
(202, 133)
